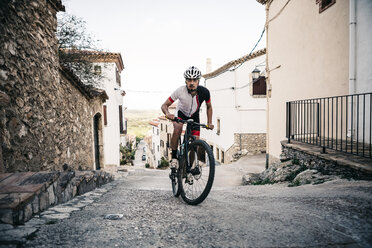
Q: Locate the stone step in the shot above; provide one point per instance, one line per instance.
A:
(25, 194)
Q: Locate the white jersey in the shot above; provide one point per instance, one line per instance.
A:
(188, 104)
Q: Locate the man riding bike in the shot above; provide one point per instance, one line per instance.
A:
(189, 99)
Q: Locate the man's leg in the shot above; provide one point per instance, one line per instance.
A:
(177, 130)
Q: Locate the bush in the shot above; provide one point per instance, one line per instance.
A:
(138, 139)
(127, 154)
(147, 165)
(163, 163)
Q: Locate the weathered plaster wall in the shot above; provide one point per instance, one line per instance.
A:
(307, 56)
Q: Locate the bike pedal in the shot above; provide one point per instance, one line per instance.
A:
(190, 179)
(195, 171)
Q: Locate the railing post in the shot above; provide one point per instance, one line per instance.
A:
(289, 121)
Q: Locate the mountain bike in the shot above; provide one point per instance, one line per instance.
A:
(195, 174)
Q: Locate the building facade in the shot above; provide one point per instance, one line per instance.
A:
(239, 108)
(109, 66)
(154, 155)
(315, 49)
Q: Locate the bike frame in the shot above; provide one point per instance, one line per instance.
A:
(187, 139)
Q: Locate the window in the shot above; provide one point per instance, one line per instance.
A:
(259, 86)
(161, 126)
(118, 80)
(218, 126)
(121, 122)
(97, 70)
(105, 115)
(158, 131)
(325, 4)
(218, 154)
(166, 128)
(222, 157)
(161, 143)
(158, 149)
(168, 140)
(125, 127)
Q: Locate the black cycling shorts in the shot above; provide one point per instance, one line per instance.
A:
(195, 130)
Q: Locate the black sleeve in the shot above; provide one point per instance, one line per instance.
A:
(204, 94)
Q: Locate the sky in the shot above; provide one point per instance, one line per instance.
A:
(159, 39)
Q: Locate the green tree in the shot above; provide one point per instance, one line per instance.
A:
(73, 38)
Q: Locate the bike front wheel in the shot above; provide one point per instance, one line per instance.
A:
(175, 183)
(197, 177)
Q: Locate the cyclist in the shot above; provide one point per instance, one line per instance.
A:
(189, 99)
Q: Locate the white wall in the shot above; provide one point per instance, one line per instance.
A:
(156, 144)
(363, 46)
(237, 110)
(363, 58)
(308, 57)
(111, 131)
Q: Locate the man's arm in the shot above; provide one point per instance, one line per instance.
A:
(209, 115)
(165, 109)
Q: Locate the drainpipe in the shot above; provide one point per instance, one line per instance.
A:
(268, 93)
(352, 47)
(352, 58)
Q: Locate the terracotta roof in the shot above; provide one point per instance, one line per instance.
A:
(162, 118)
(88, 91)
(235, 63)
(96, 56)
(262, 1)
(153, 123)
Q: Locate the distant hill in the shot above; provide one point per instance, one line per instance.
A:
(138, 121)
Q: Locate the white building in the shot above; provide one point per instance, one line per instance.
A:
(239, 108)
(166, 131)
(154, 154)
(318, 50)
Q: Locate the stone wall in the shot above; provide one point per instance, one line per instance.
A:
(49, 120)
(324, 163)
(254, 143)
(244, 144)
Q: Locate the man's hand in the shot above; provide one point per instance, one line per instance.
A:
(169, 117)
(210, 126)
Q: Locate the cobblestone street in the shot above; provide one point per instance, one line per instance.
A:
(336, 213)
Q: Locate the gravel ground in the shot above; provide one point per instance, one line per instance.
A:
(333, 214)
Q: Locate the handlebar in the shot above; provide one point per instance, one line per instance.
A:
(191, 122)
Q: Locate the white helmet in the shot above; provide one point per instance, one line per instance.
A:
(192, 73)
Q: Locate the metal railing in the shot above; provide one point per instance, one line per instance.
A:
(341, 123)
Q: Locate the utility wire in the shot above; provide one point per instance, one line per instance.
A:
(236, 67)
(147, 91)
(230, 88)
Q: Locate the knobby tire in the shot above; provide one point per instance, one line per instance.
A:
(196, 192)
(175, 185)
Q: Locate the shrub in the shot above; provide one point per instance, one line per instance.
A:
(163, 163)
(127, 154)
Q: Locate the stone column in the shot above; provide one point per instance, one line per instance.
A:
(4, 101)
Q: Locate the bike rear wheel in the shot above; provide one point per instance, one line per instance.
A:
(196, 180)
